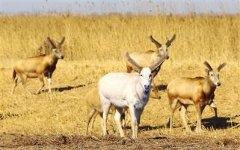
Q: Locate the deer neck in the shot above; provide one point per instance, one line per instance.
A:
(142, 96)
(52, 59)
(142, 93)
(157, 53)
(208, 87)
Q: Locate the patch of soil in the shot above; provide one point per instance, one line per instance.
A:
(112, 142)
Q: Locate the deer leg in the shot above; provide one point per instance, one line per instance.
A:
(49, 84)
(90, 116)
(123, 118)
(199, 118)
(128, 119)
(94, 118)
(215, 112)
(183, 117)
(134, 122)
(105, 106)
(40, 89)
(214, 109)
(24, 81)
(138, 115)
(202, 108)
(117, 118)
(15, 84)
(173, 105)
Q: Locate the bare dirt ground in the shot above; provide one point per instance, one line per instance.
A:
(13, 141)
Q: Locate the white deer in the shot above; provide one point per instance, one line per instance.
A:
(127, 90)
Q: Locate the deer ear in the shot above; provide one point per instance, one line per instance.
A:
(207, 65)
(51, 42)
(169, 42)
(221, 66)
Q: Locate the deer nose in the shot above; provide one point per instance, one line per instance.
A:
(62, 57)
(167, 57)
(146, 87)
(218, 84)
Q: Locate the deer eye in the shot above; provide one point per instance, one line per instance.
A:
(141, 75)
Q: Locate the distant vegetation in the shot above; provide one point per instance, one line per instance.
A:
(107, 37)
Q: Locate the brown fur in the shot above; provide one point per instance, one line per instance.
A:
(183, 92)
(198, 90)
(37, 67)
(94, 108)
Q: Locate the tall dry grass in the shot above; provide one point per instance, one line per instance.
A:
(106, 37)
(94, 46)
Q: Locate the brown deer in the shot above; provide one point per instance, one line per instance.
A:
(198, 91)
(38, 66)
(151, 57)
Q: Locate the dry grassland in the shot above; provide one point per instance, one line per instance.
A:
(94, 46)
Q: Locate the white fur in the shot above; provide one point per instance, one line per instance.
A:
(125, 90)
(49, 84)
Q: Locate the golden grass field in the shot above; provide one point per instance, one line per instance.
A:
(94, 46)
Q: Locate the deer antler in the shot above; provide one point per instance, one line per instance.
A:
(207, 65)
(158, 45)
(130, 60)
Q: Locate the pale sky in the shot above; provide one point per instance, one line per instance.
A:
(86, 7)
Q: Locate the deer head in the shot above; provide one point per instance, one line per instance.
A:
(162, 48)
(214, 74)
(56, 47)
